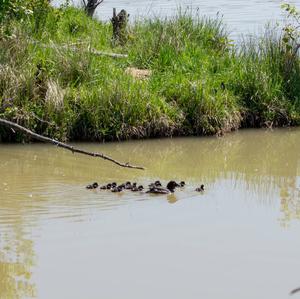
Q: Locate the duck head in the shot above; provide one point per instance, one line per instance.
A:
(93, 186)
(172, 185)
(128, 185)
(200, 189)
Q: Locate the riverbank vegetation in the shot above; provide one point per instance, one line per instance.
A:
(199, 82)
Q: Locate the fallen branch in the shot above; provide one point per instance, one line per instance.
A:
(74, 49)
(73, 149)
(295, 291)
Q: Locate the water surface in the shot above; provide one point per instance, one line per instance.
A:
(240, 16)
(240, 239)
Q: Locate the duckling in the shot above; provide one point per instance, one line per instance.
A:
(93, 186)
(104, 187)
(122, 185)
(160, 190)
(128, 185)
(200, 189)
(182, 183)
(116, 189)
(155, 184)
(108, 186)
(139, 188)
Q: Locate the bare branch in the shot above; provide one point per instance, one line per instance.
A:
(91, 5)
(98, 3)
(295, 291)
(73, 149)
(75, 49)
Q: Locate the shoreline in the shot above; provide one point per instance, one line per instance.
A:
(182, 77)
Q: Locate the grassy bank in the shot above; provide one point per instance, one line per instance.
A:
(200, 82)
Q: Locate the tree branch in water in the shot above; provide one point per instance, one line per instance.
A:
(71, 148)
(295, 291)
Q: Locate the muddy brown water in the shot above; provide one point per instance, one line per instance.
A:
(240, 239)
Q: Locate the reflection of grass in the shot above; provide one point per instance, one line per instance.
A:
(289, 201)
(16, 261)
(200, 83)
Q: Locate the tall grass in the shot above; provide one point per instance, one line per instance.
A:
(200, 82)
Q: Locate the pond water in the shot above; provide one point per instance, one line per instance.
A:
(240, 16)
(239, 239)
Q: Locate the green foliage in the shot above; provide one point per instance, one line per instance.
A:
(14, 9)
(199, 84)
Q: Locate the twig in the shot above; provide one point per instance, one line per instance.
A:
(98, 3)
(52, 124)
(74, 49)
(73, 149)
(295, 291)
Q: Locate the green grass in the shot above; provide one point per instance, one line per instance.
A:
(200, 84)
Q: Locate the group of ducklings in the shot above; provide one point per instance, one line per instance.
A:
(155, 187)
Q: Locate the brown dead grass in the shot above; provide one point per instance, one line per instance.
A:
(138, 73)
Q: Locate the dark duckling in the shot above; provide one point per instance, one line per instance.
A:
(93, 186)
(128, 185)
(122, 186)
(114, 184)
(182, 183)
(139, 188)
(108, 186)
(116, 189)
(200, 189)
(104, 187)
(160, 190)
(155, 184)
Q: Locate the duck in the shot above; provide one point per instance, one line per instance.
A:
(122, 185)
(139, 188)
(92, 186)
(155, 184)
(182, 184)
(161, 190)
(117, 189)
(128, 185)
(200, 189)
